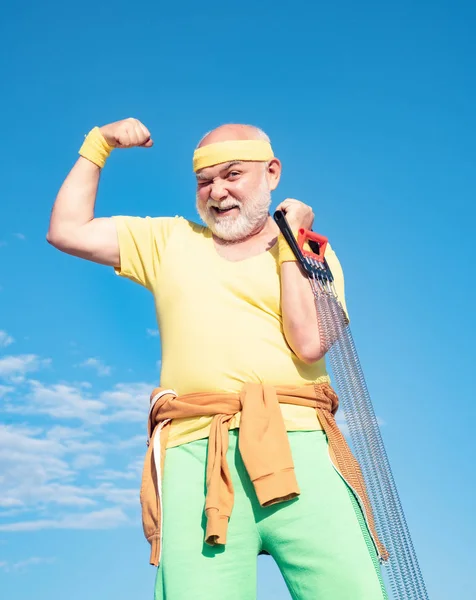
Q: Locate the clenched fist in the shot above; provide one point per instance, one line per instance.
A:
(127, 133)
(297, 214)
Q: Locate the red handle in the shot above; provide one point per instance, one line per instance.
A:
(305, 236)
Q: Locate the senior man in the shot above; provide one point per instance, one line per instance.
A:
(240, 455)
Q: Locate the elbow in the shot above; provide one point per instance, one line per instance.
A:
(310, 353)
(306, 343)
(57, 239)
(52, 239)
(310, 358)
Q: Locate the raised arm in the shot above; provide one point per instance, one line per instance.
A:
(73, 228)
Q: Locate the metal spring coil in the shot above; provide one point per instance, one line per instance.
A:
(402, 569)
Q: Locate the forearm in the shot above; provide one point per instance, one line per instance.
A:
(73, 228)
(74, 205)
(300, 319)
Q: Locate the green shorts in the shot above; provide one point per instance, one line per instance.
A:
(319, 540)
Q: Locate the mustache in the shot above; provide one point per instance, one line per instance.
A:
(223, 205)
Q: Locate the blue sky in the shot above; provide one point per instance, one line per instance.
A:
(370, 107)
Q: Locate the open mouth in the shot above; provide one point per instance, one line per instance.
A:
(223, 211)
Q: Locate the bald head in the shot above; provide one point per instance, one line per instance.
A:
(233, 131)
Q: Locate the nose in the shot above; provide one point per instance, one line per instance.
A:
(218, 191)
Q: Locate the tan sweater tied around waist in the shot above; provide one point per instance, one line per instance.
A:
(263, 444)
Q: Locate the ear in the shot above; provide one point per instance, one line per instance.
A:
(273, 173)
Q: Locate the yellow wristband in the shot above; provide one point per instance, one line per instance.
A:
(285, 254)
(95, 148)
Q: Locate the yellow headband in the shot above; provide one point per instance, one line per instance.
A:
(221, 152)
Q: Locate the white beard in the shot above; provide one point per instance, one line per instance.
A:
(253, 213)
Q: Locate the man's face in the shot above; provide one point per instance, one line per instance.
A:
(233, 199)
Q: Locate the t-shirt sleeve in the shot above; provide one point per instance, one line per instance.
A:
(338, 274)
(142, 242)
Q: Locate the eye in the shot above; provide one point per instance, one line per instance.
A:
(233, 174)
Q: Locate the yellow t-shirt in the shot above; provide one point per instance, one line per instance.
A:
(220, 322)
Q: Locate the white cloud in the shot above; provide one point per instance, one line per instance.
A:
(120, 496)
(133, 471)
(5, 339)
(20, 364)
(153, 332)
(130, 401)
(60, 401)
(110, 474)
(5, 389)
(20, 236)
(125, 402)
(64, 401)
(41, 475)
(61, 476)
(107, 518)
(9, 503)
(86, 461)
(2, 243)
(75, 439)
(34, 470)
(22, 564)
(134, 442)
(126, 395)
(98, 365)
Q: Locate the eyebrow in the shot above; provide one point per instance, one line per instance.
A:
(203, 177)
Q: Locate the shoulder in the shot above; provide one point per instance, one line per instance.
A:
(158, 227)
(333, 260)
(330, 252)
(177, 225)
(329, 249)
